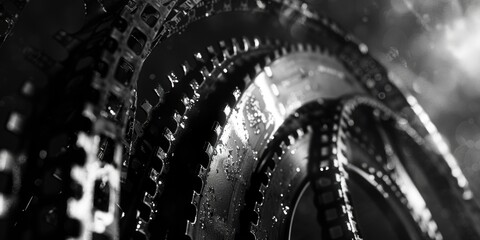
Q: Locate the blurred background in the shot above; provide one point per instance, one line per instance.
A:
(433, 46)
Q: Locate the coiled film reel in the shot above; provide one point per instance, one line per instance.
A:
(248, 117)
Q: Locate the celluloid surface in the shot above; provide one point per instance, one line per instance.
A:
(217, 119)
(275, 92)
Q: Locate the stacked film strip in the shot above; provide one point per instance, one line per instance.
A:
(116, 178)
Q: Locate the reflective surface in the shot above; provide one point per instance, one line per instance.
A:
(229, 131)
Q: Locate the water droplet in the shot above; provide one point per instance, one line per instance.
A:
(381, 95)
(52, 216)
(370, 83)
(232, 166)
(350, 122)
(285, 209)
(43, 154)
(255, 155)
(237, 93)
(363, 48)
(261, 4)
(255, 115)
(393, 53)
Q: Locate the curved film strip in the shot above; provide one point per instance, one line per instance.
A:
(241, 128)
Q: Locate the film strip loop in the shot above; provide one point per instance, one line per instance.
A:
(107, 62)
(178, 110)
(330, 159)
(220, 142)
(235, 152)
(283, 162)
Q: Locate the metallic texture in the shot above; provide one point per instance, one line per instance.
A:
(230, 142)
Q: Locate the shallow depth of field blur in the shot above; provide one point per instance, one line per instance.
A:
(433, 46)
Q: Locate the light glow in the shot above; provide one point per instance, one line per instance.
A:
(462, 40)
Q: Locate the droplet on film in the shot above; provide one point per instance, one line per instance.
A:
(363, 48)
(237, 93)
(285, 210)
(255, 115)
